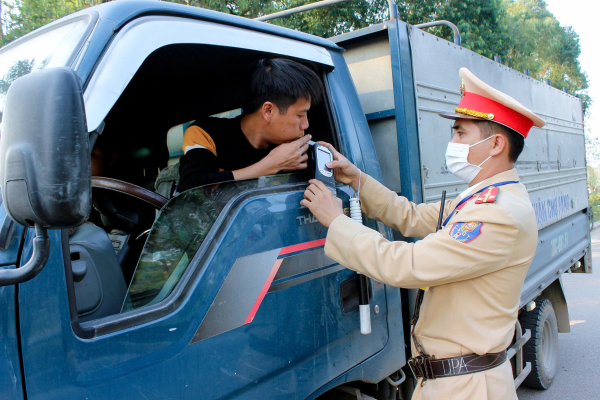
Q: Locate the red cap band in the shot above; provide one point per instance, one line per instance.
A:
(502, 114)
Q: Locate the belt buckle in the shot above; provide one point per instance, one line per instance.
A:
(415, 364)
(421, 367)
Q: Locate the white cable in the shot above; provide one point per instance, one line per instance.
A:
(355, 212)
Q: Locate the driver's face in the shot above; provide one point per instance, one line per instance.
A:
(291, 125)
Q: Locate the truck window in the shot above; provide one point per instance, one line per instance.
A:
(177, 84)
(141, 140)
(54, 47)
(178, 234)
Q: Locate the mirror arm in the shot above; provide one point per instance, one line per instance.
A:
(41, 252)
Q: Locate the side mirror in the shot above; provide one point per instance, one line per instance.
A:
(44, 160)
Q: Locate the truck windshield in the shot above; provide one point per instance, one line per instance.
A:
(49, 48)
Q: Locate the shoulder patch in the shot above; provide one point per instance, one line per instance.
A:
(487, 196)
(465, 232)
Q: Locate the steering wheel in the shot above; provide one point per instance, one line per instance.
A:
(126, 216)
(115, 185)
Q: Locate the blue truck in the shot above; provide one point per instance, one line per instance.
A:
(112, 290)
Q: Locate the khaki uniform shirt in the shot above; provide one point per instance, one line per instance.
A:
(473, 287)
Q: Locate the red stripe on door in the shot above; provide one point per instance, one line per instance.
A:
(263, 291)
(302, 246)
(267, 285)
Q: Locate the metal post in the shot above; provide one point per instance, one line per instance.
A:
(519, 354)
(392, 5)
(449, 24)
(517, 350)
(296, 10)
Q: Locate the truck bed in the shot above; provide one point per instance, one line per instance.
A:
(552, 165)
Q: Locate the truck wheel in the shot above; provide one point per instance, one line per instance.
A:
(542, 349)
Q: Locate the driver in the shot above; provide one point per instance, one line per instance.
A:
(266, 139)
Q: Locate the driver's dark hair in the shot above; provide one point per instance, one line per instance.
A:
(516, 141)
(281, 82)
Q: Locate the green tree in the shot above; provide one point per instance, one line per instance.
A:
(480, 22)
(243, 8)
(592, 149)
(324, 22)
(334, 20)
(593, 179)
(548, 50)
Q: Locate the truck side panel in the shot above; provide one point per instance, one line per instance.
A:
(560, 246)
(552, 165)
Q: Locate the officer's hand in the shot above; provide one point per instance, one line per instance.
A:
(322, 203)
(288, 156)
(344, 170)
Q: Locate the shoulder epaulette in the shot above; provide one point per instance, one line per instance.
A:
(489, 195)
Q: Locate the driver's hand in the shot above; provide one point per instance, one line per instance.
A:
(344, 171)
(289, 156)
(322, 203)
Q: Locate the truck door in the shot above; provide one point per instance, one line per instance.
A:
(10, 371)
(232, 295)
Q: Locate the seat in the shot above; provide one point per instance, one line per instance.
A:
(175, 142)
(168, 177)
(100, 287)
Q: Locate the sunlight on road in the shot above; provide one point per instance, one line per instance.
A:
(576, 321)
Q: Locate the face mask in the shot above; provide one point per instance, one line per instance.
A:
(456, 160)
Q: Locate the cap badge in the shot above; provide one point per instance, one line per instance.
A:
(473, 113)
(462, 88)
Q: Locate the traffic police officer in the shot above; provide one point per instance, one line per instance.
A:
(473, 268)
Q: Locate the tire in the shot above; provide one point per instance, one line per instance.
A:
(542, 349)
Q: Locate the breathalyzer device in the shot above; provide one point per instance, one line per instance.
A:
(318, 157)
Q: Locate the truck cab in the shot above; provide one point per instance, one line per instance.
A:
(221, 291)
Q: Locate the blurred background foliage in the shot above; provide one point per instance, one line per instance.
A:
(522, 32)
(594, 193)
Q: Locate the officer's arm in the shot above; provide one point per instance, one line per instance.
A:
(413, 220)
(438, 259)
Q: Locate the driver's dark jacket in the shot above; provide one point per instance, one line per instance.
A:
(213, 148)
